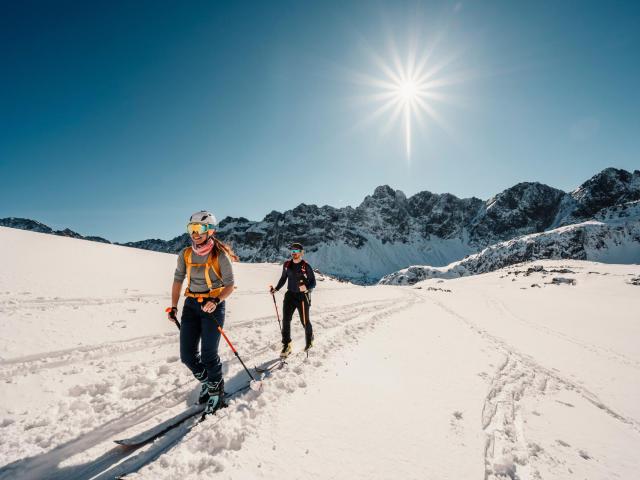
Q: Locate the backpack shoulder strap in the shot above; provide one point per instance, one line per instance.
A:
(214, 263)
(188, 253)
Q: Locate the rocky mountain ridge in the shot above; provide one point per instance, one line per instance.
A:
(389, 231)
(613, 236)
(35, 226)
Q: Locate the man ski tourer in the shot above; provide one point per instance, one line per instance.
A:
(300, 282)
(206, 264)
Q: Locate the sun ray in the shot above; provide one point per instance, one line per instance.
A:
(369, 98)
(437, 118)
(393, 119)
(373, 116)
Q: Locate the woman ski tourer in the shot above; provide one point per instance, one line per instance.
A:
(300, 282)
(206, 264)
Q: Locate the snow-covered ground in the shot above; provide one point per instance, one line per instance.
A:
(510, 374)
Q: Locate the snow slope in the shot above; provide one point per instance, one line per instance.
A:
(510, 374)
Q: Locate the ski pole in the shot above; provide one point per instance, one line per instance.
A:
(233, 349)
(275, 304)
(304, 318)
(304, 321)
(174, 320)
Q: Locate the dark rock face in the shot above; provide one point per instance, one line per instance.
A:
(519, 210)
(68, 233)
(96, 239)
(427, 228)
(167, 246)
(33, 226)
(25, 224)
(614, 236)
(610, 187)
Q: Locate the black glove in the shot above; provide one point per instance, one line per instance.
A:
(172, 314)
(272, 290)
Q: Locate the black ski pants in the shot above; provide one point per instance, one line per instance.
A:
(296, 301)
(199, 327)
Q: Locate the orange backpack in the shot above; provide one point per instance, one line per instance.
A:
(212, 265)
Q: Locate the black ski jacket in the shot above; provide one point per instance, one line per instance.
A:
(296, 274)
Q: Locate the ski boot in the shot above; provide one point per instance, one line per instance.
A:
(286, 350)
(204, 392)
(308, 346)
(203, 396)
(216, 397)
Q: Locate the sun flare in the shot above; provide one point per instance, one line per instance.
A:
(407, 89)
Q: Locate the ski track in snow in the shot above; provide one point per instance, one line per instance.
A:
(602, 351)
(337, 334)
(519, 375)
(26, 301)
(83, 354)
(338, 327)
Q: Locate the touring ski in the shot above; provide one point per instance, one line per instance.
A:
(167, 425)
(276, 364)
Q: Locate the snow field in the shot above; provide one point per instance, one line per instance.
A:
(569, 371)
(501, 375)
(391, 404)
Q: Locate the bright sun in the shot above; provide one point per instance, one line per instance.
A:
(406, 90)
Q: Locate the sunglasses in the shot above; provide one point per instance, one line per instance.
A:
(296, 251)
(198, 228)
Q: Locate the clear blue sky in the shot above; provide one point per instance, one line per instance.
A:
(121, 118)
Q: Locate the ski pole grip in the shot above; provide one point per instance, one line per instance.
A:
(173, 318)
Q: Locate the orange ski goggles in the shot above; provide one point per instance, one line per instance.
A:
(198, 228)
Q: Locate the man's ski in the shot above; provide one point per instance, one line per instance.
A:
(278, 363)
(164, 427)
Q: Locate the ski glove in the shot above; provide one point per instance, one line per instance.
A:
(172, 313)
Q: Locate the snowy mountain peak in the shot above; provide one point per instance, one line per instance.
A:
(35, 226)
(389, 231)
(524, 208)
(384, 191)
(612, 186)
(25, 224)
(613, 236)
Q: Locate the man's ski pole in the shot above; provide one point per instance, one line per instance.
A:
(304, 321)
(275, 304)
(304, 317)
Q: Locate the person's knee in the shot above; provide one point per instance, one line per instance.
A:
(209, 357)
(190, 359)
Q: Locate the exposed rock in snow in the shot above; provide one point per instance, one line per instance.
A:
(563, 281)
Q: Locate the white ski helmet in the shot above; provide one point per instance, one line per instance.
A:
(204, 217)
